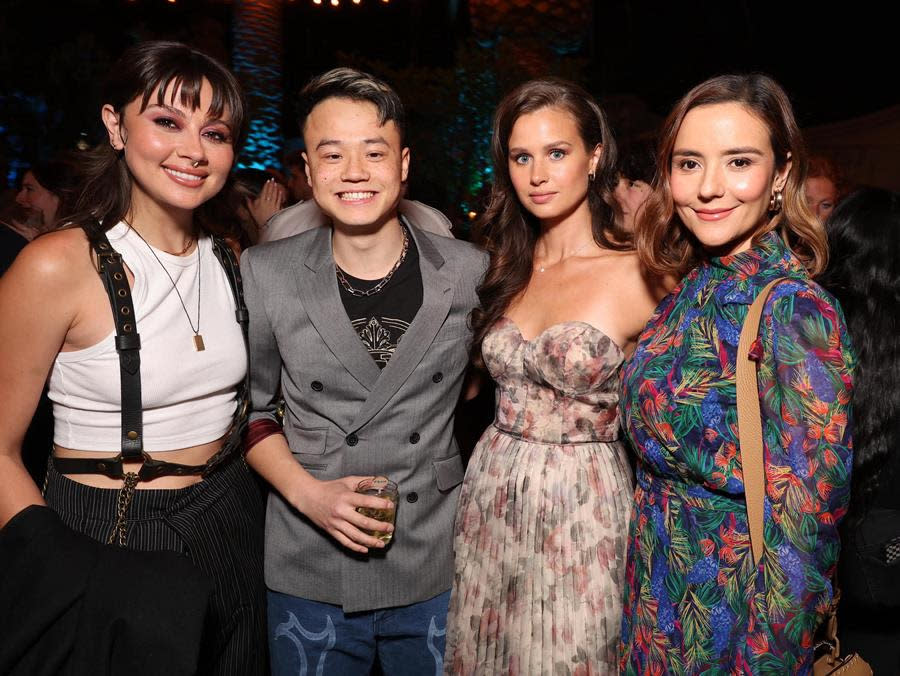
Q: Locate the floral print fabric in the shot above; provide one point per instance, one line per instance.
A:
(694, 601)
(540, 528)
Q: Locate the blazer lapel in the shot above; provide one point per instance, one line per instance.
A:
(318, 290)
(437, 297)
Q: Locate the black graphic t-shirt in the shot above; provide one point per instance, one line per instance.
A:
(381, 320)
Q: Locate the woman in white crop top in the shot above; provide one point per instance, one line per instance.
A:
(175, 118)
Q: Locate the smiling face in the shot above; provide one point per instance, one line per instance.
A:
(723, 176)
(549, 164)
(356, 166)
(163, 143)
(40, 201)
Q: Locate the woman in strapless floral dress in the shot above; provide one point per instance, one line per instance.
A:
(543, 512)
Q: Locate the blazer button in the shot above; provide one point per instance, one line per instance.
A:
(412, 496)
(317, 386)
(414, 438)
(352, 439)
(437, 377)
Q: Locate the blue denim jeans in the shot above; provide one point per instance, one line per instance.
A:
(308, 638)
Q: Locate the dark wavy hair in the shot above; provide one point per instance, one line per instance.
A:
(146, 68)
(665, 245)
(637, 160)
(507, 230)
(864, 275)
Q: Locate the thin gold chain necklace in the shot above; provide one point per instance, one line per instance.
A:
(542, 267)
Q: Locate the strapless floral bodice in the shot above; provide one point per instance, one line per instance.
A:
(561, 387)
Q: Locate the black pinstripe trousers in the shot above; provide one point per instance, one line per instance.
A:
(218, 525)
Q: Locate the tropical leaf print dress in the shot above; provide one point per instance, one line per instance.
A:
(543, 512)
(694, 601)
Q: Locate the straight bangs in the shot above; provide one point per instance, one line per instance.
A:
(179, 72)
(147, 69)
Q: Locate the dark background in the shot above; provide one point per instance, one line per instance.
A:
(451, 60)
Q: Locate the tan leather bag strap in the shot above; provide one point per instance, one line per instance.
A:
(754, 469)
(750, 424)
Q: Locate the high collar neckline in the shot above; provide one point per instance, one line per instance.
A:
(767, 251)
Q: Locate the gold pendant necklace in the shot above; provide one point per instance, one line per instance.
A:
(199, 345)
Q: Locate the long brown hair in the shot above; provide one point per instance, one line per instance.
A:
(664, 244)
(507, 230)
(145, 68)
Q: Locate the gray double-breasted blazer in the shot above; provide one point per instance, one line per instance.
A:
(344, 416)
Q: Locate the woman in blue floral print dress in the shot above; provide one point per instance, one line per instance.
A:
(728, 207)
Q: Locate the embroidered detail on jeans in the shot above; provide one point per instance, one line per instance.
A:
(436, 653)
(292, 627)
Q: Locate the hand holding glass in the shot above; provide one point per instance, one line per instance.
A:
(380, 487)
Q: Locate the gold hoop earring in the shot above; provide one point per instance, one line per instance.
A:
(591, 176)
(777, 201)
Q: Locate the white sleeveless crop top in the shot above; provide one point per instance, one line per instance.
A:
(189, 397)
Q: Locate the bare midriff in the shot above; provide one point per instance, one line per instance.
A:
(194, 455)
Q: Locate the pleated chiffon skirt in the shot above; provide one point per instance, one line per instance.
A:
(540, 538)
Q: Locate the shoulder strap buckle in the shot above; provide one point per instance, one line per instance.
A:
(106, 255)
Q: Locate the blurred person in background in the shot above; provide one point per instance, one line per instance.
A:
(260, 196)
(47, 193)
(864, 275)
(822, 187)
(15, 230)
(295, 177)
(637, 165)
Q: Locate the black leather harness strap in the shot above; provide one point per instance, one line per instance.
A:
(128, 345)
(235, 438)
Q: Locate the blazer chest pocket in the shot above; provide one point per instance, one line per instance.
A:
(449, 472)
(308, 446)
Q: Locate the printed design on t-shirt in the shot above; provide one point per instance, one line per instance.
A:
(380, 336)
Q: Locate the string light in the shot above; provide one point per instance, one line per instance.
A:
(333, 3)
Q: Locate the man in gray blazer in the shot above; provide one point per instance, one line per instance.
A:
(362, 326)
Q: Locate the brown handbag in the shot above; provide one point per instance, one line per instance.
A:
(753, 464)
